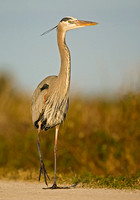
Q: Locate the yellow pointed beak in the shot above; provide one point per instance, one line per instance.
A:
(85, 23)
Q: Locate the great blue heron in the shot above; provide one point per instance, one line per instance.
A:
(51, 98)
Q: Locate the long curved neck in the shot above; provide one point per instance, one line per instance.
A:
(65, 70)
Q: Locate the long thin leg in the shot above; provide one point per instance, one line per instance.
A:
(55, 154)
(54, 186)
(38, 141)
(42, 166)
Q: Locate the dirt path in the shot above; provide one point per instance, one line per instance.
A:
(17, 190)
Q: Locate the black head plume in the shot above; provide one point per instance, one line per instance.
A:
(48, 31)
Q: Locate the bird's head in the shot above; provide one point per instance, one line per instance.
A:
(69, 23)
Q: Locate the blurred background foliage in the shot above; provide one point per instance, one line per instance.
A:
(100, 136)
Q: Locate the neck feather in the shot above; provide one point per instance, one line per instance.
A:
(64, 74)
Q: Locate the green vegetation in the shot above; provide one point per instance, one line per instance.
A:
(85, 180)
(98, 145)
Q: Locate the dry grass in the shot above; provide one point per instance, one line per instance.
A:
(98, 136)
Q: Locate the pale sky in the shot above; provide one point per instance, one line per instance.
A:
(105, 58)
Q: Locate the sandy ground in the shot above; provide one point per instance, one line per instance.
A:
(17, 190)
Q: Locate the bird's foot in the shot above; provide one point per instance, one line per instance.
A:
(43, 171)
(54, 186)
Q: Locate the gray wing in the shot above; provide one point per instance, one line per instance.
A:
(49, 105)
(39, 97)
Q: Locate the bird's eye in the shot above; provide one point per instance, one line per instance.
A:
(70, 22)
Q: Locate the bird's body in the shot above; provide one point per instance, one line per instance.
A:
(51, 98)
(49, 108)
